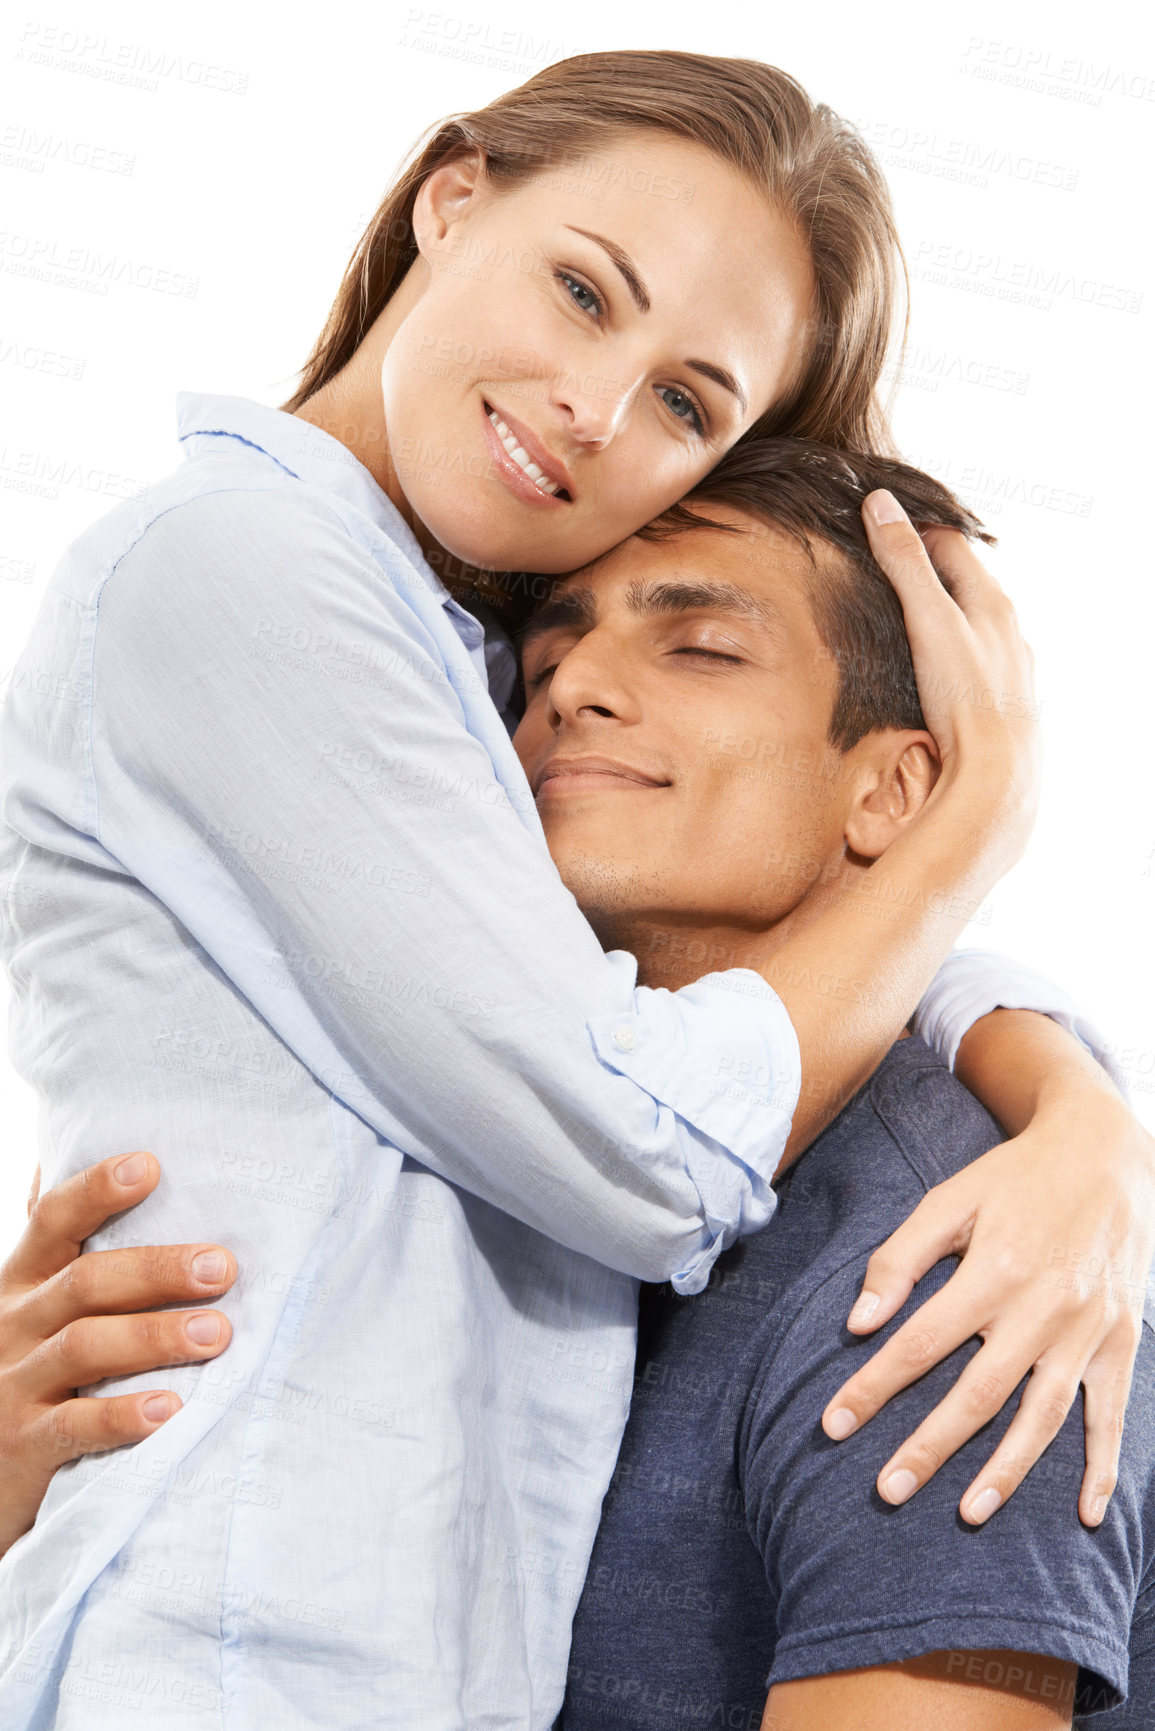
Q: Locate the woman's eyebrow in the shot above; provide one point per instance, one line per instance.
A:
(641, 299)
(624, 263)
(720, 377)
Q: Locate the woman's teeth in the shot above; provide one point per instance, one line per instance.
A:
(520, 457)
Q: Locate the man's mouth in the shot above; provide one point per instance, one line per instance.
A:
(562, 775)
(525, 456)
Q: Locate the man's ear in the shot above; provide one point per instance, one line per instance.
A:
(894, 774)
(444, 198)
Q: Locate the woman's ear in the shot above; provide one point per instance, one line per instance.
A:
(897, 771)
(444, 198)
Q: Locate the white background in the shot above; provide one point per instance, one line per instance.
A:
(205, 175)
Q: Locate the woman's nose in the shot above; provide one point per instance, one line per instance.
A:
(593, 407)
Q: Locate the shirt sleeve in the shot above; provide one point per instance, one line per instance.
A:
(859, 1583)
(281, 753)
(972, 983)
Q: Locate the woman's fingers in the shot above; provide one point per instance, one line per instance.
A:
(116, 1281)
(902, 553)
(1106, 1386)
(940, 1226)
(98, 1347)
(973, 670)
(937, 1328)
(978, 1396)
(72, 1211)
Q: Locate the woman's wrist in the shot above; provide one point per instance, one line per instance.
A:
(1025, 1068)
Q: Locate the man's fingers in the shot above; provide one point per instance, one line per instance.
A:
(940, 1226)
(111, 1282)
(935, 1330)
(98, 1347)
(59, 1433)
(88, 1425)
(72, 1211)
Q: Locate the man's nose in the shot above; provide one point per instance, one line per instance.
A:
(591, 682)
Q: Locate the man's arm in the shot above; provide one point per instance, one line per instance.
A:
(65, 1322)
(959, 1691)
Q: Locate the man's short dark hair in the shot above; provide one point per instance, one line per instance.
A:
(814, 494)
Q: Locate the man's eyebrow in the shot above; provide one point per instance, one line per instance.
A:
(571, 607)
(685, 597)
(624, 263)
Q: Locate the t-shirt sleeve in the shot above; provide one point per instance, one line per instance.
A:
(859, 1583)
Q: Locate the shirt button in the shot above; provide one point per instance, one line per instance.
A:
(626, 1039)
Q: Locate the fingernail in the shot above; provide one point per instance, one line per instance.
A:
(205, 1330)
(885, 508)
(984, 1505)
(132, 1170)
(158, 1407)
(864, 1310)
(209, 1266)
(899, 1486)
(1098, 1510)
(841, 1423)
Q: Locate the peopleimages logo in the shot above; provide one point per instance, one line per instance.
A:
(135, 65)
(1023, 66)
(1019, 281)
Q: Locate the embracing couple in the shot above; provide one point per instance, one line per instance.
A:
(427, 1104)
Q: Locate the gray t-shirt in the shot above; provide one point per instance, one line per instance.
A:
(740, 1547)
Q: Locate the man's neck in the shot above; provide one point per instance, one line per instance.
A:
(671, 952)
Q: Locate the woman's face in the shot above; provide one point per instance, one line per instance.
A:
(574, 353)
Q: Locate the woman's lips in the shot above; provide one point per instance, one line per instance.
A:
(522, 462)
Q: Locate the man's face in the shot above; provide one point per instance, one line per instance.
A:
(678, 701)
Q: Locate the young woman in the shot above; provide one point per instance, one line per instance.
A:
(281, 903)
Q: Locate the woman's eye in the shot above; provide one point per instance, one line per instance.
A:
(682, 407)
(582, 297)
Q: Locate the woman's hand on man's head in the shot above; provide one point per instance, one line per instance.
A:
(975, 675)
(68, 1321)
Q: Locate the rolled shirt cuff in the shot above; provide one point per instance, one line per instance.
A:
(721, 1054)
(972, 983)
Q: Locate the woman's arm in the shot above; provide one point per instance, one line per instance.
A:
(425, 961)
(1056, 1231)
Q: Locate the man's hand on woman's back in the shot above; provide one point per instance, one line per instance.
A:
(67, 1321)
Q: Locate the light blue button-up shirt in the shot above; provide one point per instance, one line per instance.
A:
(279, 908)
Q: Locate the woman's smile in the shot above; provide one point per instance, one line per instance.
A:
(519, 457)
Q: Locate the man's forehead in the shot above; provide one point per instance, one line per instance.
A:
(750, 571)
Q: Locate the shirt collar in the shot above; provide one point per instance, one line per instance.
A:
(321, 461)
(308, 453)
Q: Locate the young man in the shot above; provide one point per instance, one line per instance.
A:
(722, 732)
